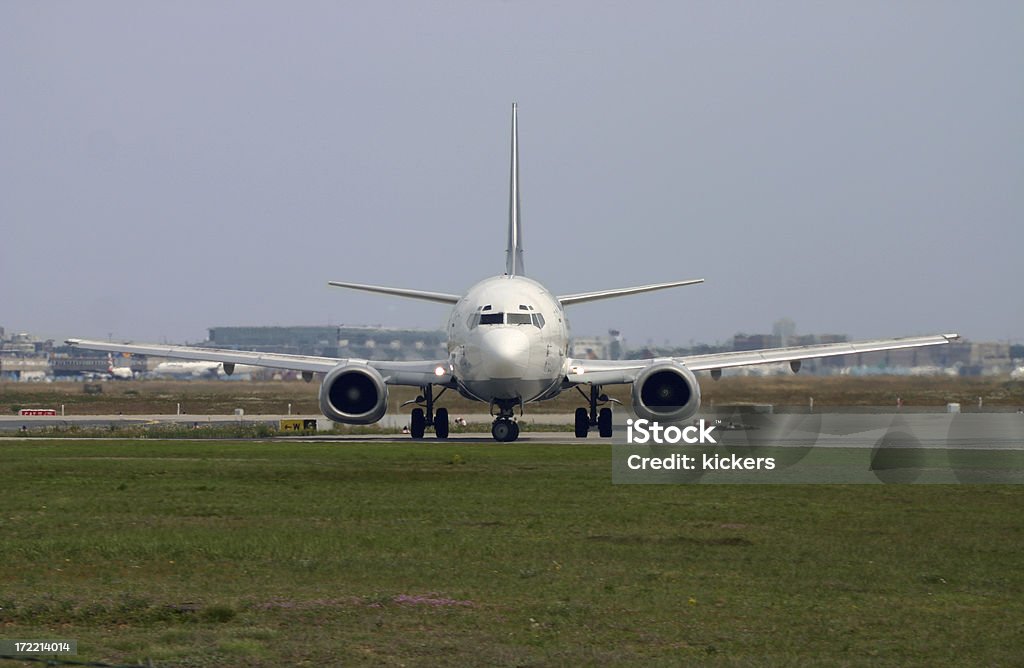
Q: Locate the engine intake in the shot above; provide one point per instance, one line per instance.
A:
(666, 391)
(354, 394)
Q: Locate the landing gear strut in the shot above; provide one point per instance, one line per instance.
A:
(585, 419)
(426, 416)
(504, 429)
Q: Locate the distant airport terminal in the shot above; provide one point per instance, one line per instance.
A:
(24, 357)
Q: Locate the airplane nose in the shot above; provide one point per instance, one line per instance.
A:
(505, 353)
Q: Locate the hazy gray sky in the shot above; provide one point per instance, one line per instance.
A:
(855, 166)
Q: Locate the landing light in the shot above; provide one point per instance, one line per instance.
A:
(439, 371)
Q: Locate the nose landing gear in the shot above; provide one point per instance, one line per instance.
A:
(505, 429)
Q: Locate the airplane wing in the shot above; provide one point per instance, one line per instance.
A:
(796, 353)
(418, 373)
(441, 297)
(581, 297)
(609, 372)
(605, 372)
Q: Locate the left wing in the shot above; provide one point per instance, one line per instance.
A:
(610, 372)
(418, 373)
(581, 297)
(797, 353)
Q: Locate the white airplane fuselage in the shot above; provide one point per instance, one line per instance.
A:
(199, 369)
(188, 369)
(508, 341)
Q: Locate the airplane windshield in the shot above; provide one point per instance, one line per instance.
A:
(535, 319)
(491, 318)
(519, 319)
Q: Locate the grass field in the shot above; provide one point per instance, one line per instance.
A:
(251, 553)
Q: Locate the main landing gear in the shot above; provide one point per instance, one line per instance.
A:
(585, 419)
(504, 429)
(426, 416)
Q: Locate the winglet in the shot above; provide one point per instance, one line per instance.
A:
(514, 251)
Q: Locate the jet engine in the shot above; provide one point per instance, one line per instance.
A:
(666, 391)
(354, 394)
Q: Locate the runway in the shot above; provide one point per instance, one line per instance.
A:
(859, 430)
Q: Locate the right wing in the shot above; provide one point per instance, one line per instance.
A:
(270, 360)
(442, 297)
(418, 373)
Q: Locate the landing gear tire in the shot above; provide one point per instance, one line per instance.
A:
(504, 431)
(604, 423)
(441, 423)
(418, 424)
(582, 423)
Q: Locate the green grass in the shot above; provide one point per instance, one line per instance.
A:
(234, 553)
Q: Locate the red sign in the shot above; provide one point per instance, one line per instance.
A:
(37, 411)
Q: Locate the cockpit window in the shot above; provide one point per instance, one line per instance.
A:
(491, 318)
(535, 319)
(519, 319)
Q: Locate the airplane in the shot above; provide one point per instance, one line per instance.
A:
(508, 346)
(198, 369)
(118, 372)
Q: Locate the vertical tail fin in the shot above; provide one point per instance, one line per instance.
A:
(514, 252)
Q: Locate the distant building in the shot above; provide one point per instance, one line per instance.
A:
(335, 341)
(24, 357)
(597, 347)
(590, 348)
(962, 357)
(754, 341)
(783, 335)
(292, 340)
(784, 331)
(24, 345)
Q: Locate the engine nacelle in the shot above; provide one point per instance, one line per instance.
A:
(666, 391)
(354, 394)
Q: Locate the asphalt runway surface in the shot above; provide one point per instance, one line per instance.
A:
(927, 430)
